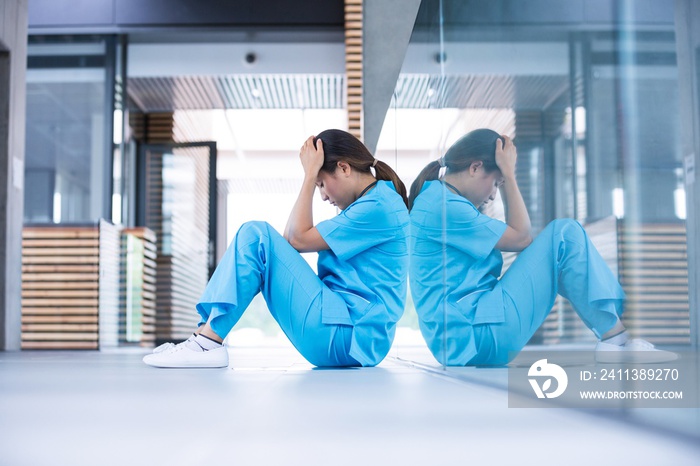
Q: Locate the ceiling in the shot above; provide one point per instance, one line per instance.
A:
(326, 91)
(241, 91)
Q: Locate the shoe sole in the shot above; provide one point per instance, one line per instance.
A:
(186, 365)
(634, 357)
(159, 360)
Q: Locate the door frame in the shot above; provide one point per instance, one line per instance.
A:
(140, 204)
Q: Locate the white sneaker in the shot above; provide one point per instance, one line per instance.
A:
(183, 356)
(635, 350)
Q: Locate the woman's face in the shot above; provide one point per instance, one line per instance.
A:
(481, 186)
(335, 188)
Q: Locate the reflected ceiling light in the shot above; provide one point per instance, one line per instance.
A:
(56, 207)
(117, 209)
(618, 198)
(118, 128)
(679, 203)
(255, 92)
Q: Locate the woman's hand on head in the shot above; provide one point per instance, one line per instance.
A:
(506, 156)
(311, 157)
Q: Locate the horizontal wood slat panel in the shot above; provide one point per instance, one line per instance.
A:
(38, 268)
(77, 302)
(47, 293)
(652, 260)
(60, 287)
(60, 336)
(71, 286)
(59, 319)
(60, 232)
(353, 65)
(60, 243)
(59, 251)
(63, 327)
(63, 310)
(68, 260)
(59, 345)
(59, 277)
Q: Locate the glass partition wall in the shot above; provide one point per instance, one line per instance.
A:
(69, 96)
(591, 101)
(590, 98)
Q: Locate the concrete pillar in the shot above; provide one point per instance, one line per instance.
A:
(386, 30)
(13, 65)
(688, 57)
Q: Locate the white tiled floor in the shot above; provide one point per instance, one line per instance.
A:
(272, 408)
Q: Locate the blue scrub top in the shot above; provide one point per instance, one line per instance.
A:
(367, 266)
(454, 266)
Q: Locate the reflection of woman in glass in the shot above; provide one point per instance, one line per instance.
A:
(345, 315)
(467, 315)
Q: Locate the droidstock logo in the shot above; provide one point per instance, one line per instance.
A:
(547, 371)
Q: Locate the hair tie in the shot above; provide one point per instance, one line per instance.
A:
(443, 167)
(374, 164)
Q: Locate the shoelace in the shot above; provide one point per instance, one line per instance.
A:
(163, 347)
(639, 343)
(169, 346)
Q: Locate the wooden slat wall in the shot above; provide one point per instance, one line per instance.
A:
(183, 240)
(654, 274)
(73, 286)
(60, 287)
(152, 127)
(137, 322)
(353, 65)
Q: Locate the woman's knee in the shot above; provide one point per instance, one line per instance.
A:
(562, 223)
(253, 230)
(566, 228)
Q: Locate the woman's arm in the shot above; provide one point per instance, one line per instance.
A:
(300, 230)
(518, 234)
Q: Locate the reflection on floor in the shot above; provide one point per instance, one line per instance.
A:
(271, 407)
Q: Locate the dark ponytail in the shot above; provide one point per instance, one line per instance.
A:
(430, 172)
(386, 173)
(475, 146)
(341, 146)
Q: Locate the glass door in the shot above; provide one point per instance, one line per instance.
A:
(177, 200)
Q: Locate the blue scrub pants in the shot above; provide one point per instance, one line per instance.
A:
(561, 260)
(259, 259)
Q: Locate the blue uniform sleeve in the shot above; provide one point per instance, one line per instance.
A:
(470, 231)
(362, 225)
